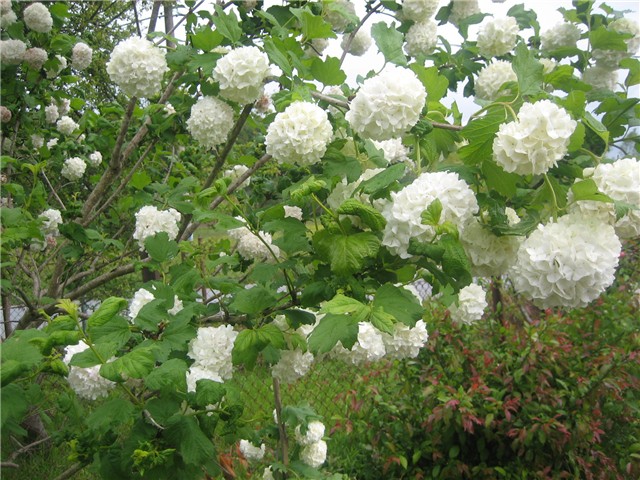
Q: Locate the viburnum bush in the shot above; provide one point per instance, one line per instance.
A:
(221, 196)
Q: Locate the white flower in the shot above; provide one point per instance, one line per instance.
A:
(471, 305)
(267, 474)
(140, 299)
(462, 9)
(62, 64)
(211, 350)
(197, 372)
(611, 58)
(236, 172)
(403, 213)
(251, 452)
(360, 43)
(64, 105)
(66, 125)
(314, 454)
(86, 382)
(601, 77)
(81, 56)
(561, 35)
(337, 14)
(52, 143)
(241, 73)
(498, 36)
(419, 10)
(51, 113)
(405, 342)
(299, 135)
(317, 47)
(137, 67)
(251, 246)
(492, 77)
(52, 219)
(535, 141)
(210, 122)
(150, 220)
(293, 364)
(393, 149)
(169, 110)
(8, 18)
(620, 181)
(369, 346)
(314, 433)
(37, 17)
(37, 141)
(95, 158)
(12, 51)
(421, 38)
(73, 168)
(293, 212)
(548, 65)
(489, 254)
(344, 190)
(387, 105)
(35, 57)
(567, 263)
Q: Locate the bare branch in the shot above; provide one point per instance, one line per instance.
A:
(70, 472)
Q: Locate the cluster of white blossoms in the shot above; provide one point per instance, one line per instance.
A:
(421, 38)
(314, 433)
(38, 18)
(292, 212)
(253, 247)
(211, 352)
(333, 14)
(81, 56)
(35, 57)
(568, 262)
(387, 105)
(611, 58)
(293, 364)
(150, 220)
(369, 346)
(7, 15)
(95, 158)
(344, 190)
(52, 220)
(393, 149)
(137, 66)
(86, 382)
(316, 47)
(418, 10)
(143, 297)
(462, 9)
(12, 51)
(235, 172)
(66, 125)
(359, 44)
(601, 77)
(210, 121)
(314, 454)
(471, 305)
(406, 341)
(51, 113)
(498, 36)
(251, 452)
(620, 181)
(492, 77)
(73, 168)
(299, 135)
(54, 72)
(534, 142)
(561, 35)
(403, 212)
(241, 74)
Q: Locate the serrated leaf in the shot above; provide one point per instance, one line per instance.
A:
(369, 215)
(208, 393)
(108, 309)
(604, 39)
(348, 253)
(168, 377)
(382, 320)
(333, 329)
(290, 234)
(313, 26)
(135, 364)
(276, 52)
(327, 71)
(505, 183)
(89, 358)
(398, 302)
(596, 126)
(382, 180)
(250, 342)
(194, 446)
(299, 317)
(389, 42)
(435, 84)
(160, 248)
(341, 304)
(528, 70)
(431, 216)
(109, 416)
(227, 24)
(588, 190)
(480, 134)
(253, 301)
(206, 39)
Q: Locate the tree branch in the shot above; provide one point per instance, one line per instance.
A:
(70, 472)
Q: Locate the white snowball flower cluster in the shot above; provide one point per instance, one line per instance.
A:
(137, 67)
(387, 105)
(567, 263)
(293, 364)
(317, 47)
(52, 219)
(86, 382)
(314, 454)
(333, 15)
(345, 190)
(394, 150)
(210, 122)
(236, 172)
(601, 77)
(360, 43)
(314, 433)
(369, 346)
(421, 38)
(150, 220)
(51, 113)
(492, 77)
(611, 58)
(7, 15)
(73, 168)
(406, 341)
(139, 300)
(403, 213)
(293, 212)
(211, 352)
(81, 56)
(620, 181)
(418, 10)
(52, 143)
(37, 17)
(267, 474)
(54, 72)
(12, 51)
(548, 65)
(471, 305)
(498, 36)
(462, 9)
(252, 247)
(534, 142)
(489, 254)
(66, 125)
(251, 452)
(299, 135)
(35, 57)
(37, 141)
(241, 73)
(561, 35)
(95, 158)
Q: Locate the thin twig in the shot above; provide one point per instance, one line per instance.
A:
(70, 472)
(26, 448)
(53, 190)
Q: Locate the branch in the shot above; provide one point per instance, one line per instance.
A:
(70, 472)
(353, 34)
(26, 448)
(331, 100)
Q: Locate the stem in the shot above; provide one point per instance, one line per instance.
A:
(553, 196)
(70, 472)
(353, 34)
(283, 441)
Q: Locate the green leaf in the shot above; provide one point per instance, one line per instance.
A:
(299, 317)
(108, 309)
(168, 377)
(455, 262)
(480, 133)
(208, 393)
(18, 356)
(398, 302)
(389, 41)
(290, 234)
(88, 357)
(328, 71)
(253, 300)
(249, 343)
(135, 364)
(528, 70)
(369, 215)
(206, 39)
(577, 138)
(435, 84)
(341, 304)
(227, 24)
(382, 320)
(596, 127)
(313, 26)
(160, 248)
(346, 254)
(109, 416)
(139, 180)
(331, 330)
(277, 54)
(505, 183)
(194, 446)
(588, 190)
(382, 180)
(13, 407)
(431, 216)
(604, 39)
